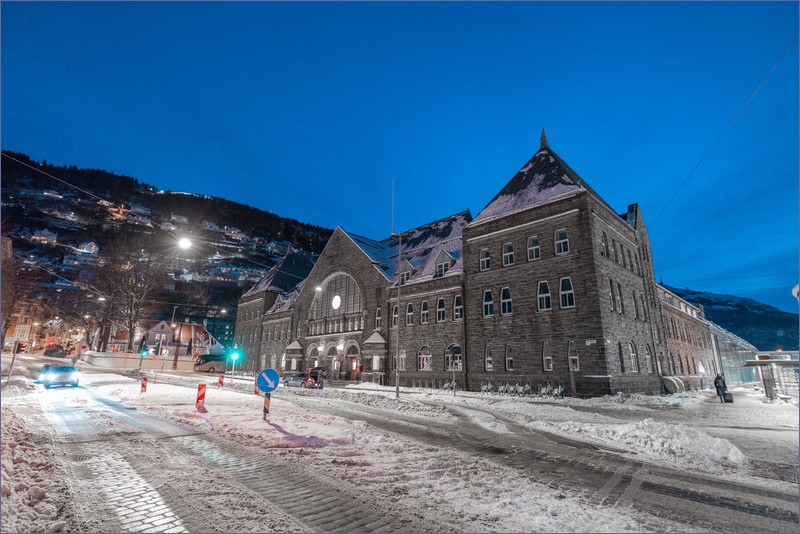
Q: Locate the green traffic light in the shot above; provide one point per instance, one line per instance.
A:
(234, 356)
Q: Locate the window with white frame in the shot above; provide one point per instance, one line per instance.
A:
(453, 360)
(505, 301)
(508, 254)
(648, 356)
(409, 314)
(634, 357)
(509, 358)
(534, 251)
(404, 276)
(562, 242)
(487, 359)
(630, 262)
(567, 293)
(620, 299)
(611, 293)
(401, 365)
(635, 305)
(458, 308)
(293, 365)
(604, 245)
(442, 268)
(547, 357)
(544, 296)
(622, 251)
(376, 363)
(488, 303)
(486, 259)
(395, 311)
(614, 249)
(572, 356)
(621, 358)
(283, 361)
(423, 314)
(440, 310)
(424, 359)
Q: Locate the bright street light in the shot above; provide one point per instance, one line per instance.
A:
(185, 243)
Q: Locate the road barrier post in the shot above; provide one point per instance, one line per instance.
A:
(221, 381)
(201, 398)
(144, 385)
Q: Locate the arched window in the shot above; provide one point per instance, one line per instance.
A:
(634, 357)
(567, 293)
(424, 359)
(505, 301)
(452, 358)
(339, 294)
(649, 357)
(378, 320)
(621, 358)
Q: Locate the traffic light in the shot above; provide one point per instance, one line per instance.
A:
(19, 346)
(144, 352)
(234, 355)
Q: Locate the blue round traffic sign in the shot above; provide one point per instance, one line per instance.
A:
(268, 380)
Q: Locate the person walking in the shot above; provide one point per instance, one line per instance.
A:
(719, 384)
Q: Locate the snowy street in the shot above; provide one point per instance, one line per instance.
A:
(106, 458)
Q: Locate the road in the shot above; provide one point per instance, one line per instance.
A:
(130, 471)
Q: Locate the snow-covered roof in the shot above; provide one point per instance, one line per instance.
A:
(544, 178)
(284, 276)
(420, 247)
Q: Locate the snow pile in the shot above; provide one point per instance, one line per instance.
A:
(33, 497)
(661, 441)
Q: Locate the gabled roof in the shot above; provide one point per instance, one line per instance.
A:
(544, 178)
(292, 269)
(419, 247)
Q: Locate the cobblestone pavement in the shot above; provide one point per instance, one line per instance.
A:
(124, 478)
(655, 496)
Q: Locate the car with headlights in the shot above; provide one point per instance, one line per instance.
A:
(55, 351)
(299, 380)
(43, 371)
(60, 375)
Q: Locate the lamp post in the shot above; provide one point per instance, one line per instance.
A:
(234, 357)
(399, 322)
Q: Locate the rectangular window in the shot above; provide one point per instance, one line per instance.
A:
(509, 358)
(620, 299)
(508, 254)
(567, 293)
(488, 304)
(458, 308)
(409, 314)
(611, 293)
(440, 311)
(395, 311)
(572, 357)
(442, 268)
(547, 357)
(293, 365)
(534, 252)
(425, 362)
(505, 301)
(423, 318)
(614, 247)
(487, 359)
(378, 319)
(562, 242)
(622, 250)
(486, 259)
(604, 245)
(402, 364)
(634, 358)
(630, 261)
(635, 305)
(376, 363)
(404, 276)
(544, 296)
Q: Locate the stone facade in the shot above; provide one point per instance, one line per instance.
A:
(547, 287)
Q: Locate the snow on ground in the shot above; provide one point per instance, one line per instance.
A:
(690, 431)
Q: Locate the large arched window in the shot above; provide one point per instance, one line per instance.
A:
(337, 296)
(425, 359)
(452, 358)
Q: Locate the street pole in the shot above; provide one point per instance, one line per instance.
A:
(399, 316)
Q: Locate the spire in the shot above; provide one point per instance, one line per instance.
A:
(544, 143)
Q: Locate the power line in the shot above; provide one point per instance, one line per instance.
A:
(724, 131)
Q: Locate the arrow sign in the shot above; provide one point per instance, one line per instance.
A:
(268, 380)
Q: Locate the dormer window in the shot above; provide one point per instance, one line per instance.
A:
(442, 268)
(404, 276)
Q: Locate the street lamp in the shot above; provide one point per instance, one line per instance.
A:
(185, 243)
(399, 321)
(234, 357)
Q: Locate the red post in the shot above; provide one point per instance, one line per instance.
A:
(221, 381)
(255, 386)
(201, 397)
(144, 384)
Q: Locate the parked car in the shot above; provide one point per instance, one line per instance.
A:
(55, 351)
(211, 363)
(299, 380)
(315, 373)
(60, 375)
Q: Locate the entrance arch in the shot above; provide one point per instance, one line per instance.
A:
(351, 358)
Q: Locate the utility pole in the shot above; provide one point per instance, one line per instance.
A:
(399, 315)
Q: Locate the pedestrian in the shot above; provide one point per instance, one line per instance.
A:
(266, 405)
(719, 384)
(320, 384)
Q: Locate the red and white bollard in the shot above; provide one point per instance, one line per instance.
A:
(144, 385)
(255, 386)
(221, 381)
(201, 398)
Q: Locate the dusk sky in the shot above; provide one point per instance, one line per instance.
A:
(310, 110)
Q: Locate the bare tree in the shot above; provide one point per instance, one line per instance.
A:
(20, 284)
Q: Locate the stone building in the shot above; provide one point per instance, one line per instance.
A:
(548, 284)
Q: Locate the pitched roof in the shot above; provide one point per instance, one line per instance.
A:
(292, 269)
(544, 178)
(419, 246)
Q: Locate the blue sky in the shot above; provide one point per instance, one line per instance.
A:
(310, 110)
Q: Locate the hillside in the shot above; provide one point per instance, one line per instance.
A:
(128, 191)
(764, 326)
